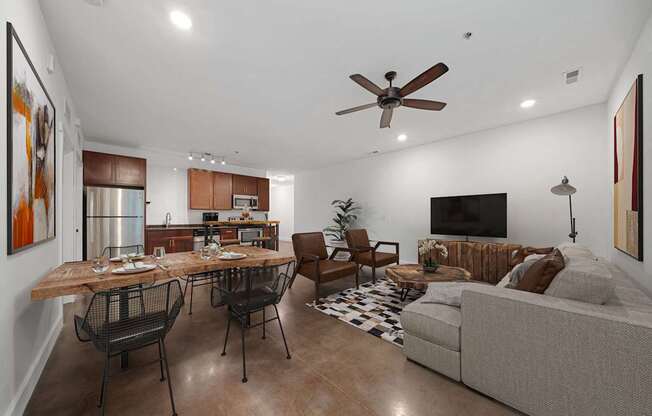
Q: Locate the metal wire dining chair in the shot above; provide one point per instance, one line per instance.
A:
(117, 321)
(114, 251)
(247, 291)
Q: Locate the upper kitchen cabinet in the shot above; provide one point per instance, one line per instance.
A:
(222, 190)
(263, 194)
(200, 189)
(245, 185)
(102, 169)
(130, 171)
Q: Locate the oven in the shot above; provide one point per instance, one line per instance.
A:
(245, 201)
(247, 235)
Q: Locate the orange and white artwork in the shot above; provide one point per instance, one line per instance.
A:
(31, 153)
(628, 171)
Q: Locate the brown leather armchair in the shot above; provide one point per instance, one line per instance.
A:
(366, 255)
(315, 264)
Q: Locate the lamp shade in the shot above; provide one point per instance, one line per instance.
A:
(564, 188)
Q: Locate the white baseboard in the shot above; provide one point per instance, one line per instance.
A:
(24, 393)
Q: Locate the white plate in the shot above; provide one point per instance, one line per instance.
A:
(131, 257)
(143, 268)
(231, 256)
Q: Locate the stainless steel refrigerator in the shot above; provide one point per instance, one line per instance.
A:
(113, 217)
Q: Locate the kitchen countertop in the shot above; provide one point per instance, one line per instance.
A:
(242, 222)
(213, 223)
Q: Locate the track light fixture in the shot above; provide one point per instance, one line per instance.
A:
(207, 157)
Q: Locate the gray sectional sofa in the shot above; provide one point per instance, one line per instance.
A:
(542, 354)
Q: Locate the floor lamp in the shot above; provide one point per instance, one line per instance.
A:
(563, 189)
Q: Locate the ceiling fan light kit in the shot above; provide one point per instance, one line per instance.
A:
(392, 97)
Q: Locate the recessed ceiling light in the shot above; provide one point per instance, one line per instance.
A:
(223, 162)
(528, 103)
(174, 169)
(203, 159)
(213, 161)
(189, 157)
(180, 20)
(401, 137)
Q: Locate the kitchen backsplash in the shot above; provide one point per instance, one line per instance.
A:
(195, 217)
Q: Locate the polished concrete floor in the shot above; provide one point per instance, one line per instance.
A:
(335, 369)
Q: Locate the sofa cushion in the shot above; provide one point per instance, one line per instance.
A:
(537, 278)
(583, 279)
(569, 249)
(436, 323)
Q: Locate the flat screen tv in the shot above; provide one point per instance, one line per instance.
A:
(469, 215)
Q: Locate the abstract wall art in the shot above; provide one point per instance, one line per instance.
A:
(628, 173)
(31, 158)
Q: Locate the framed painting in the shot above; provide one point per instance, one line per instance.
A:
(31, 157)
(628, 173)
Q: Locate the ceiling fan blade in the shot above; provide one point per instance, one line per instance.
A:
(367, 85)
(354, 109)
(424, 104)
(386, 118)
(424, 79)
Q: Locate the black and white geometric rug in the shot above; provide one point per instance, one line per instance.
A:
(375, 309)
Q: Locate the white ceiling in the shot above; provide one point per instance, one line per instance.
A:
(265, 77)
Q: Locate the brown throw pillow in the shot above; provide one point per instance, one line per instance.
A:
(537, 278)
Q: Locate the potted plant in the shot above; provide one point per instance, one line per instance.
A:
(426, 249)
(346, 212)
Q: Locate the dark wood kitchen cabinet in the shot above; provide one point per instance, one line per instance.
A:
(200, 189)
(245, 185)
(263, 194)
(228, 233)
(212, 190)
(130, 171)
(103, 169)
(174, 241)
(222, 190)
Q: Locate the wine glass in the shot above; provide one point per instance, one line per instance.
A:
(100, 264)
(205, 253)
(159, 253)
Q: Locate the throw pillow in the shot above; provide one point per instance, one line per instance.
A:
(538, 276)
(584, 280)
(569, 249)
(519, 270)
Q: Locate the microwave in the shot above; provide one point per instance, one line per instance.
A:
(244, 201)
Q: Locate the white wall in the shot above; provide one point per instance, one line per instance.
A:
(639, 63)
(523, 159)
(167, 189)
(28, 328)
(281, 207)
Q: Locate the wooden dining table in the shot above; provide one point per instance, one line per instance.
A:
(78, 278)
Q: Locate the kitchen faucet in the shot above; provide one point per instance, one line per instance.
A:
(168, 219)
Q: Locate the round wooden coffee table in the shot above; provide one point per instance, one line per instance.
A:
(412, 276)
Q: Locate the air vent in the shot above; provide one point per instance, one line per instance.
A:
(572, 76)
(98, 3)
(374, 152)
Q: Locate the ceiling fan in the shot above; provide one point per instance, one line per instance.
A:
(392, 97)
